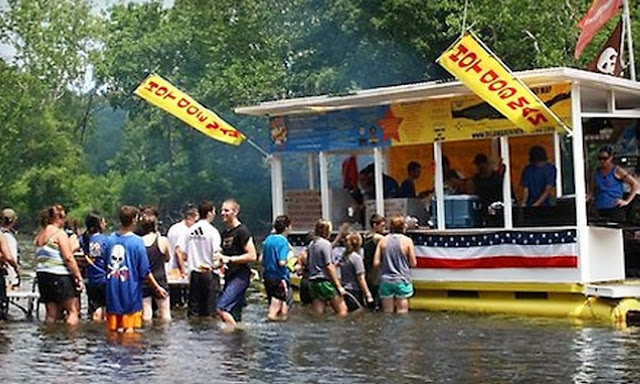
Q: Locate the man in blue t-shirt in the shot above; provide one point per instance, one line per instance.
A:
(275, 252)
(538, 179)
(127, 266)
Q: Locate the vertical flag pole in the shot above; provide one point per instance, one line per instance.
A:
(627, 23)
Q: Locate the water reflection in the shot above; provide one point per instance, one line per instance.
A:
(366, 348)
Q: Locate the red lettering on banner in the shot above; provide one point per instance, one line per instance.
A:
(489, 76)
(521, 102)
(202, 117)
(537, 119)
(507, 93)
(162, 91)
(526, 111)
(227, 132)
(192, 110)
(170, 96)
(151, 86)
(461, 51)
(497, 85)
(183, 103)
(230, 132)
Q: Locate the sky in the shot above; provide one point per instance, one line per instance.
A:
(7, 52)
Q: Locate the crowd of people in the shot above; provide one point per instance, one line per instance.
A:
(125, 274)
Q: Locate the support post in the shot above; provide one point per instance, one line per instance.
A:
(277, 186)
(324, 185)
(557, 157)
(507, 202)
(439, 190)
(378, 180)
(580, 185)
(627, 23)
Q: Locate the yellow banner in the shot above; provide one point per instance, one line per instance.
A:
(163, 95)
(489, 78)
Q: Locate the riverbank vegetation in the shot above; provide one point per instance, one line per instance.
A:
(71, 130)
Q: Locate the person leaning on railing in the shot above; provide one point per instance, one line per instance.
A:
(607, 187)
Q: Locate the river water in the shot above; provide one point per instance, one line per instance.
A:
(421, 347)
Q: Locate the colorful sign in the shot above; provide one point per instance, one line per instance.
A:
(486, 76)
(469, 117)
(163, 95)
(337, 130)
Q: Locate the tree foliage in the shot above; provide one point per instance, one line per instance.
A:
(101, 148)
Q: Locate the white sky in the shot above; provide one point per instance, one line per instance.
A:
(7, 52)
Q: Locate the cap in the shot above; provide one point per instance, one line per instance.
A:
(9, 215)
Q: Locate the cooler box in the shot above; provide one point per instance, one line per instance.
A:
(460, 211)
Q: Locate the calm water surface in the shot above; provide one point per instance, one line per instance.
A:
(363, 348)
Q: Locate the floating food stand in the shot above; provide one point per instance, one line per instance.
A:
(552, 261)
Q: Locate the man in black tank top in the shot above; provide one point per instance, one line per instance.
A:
(238, 251)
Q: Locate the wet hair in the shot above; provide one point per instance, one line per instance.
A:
(189, 210)
(281, 223)
(205, 207)
(322, 228)
(128, 213)
(147, 224)
(375, 219)
(537, 154)
(413, 166)
(51, 214)
(397, 224)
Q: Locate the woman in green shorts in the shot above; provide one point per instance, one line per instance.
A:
(324, 285)
(395, 255)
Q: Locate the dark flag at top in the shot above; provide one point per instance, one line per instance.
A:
(609, 60)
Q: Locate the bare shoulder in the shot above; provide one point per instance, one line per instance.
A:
(163, 242)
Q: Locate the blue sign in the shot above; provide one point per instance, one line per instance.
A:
(337, 130)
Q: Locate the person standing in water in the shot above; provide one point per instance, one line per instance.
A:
(5, 259)
(127, 266)
(93, 243)
(238, 250)
(157, 247)
(59, 278)
(395, 255)
(8, 222)
(352, 274)
(275, 253)
(203, 249)
(324, 285)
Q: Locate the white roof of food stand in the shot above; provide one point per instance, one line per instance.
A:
(599, 87)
